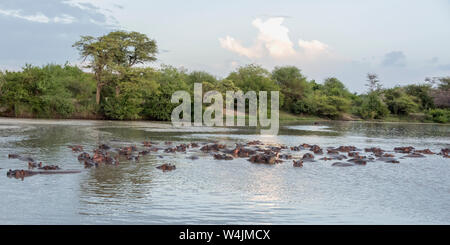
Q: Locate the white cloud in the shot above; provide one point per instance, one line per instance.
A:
(274, 36)
(105, 7)
(313, 48)
(236, 47)
(273, 41)
(64, 19)
(38, 17)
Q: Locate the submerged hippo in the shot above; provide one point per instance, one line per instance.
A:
(298, 163)
(222, 157)
(264, 158)
(21, 173)
(166, 167)
(342, 164)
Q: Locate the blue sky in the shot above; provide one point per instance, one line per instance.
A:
(402, 41)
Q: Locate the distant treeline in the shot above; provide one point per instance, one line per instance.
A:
(116, 88)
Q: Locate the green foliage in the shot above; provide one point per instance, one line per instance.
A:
(113, 52)
(158, 106)
(201, 77)
(438, 115)
(422, 93)
(329, 106)
(134, 87)
(333, 87)
(49, 91)
(253, 78)
(117, 89)
(398, 102)
(294, 87)
(372, 107)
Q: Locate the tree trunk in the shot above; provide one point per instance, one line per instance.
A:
(117, 91)
(97, 96)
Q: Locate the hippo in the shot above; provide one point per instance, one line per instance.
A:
(375, 150)
(170, 150)
(353, 154)
(342, 164)
(193, 157)
(296, 148)
(338, 157)
(240, 151)
(326, 158)
(388, 159)
(264, 158)
(154, 149)
(166, 167)
(32, 165)
(88, 163)
(414, 155)
(357, 161)
(21, 174)
(104, 147)
(181, 148)
(316, 149)
(128, 150)
(285, 156)
(14, 156)
(424, 151)
(49, 167)
(298, 163)
(332, 151)
(444, 152)
(76, 148)
(83, 156)
(346, 148)
(222, 157)
(405, 149)
(308, 156)
(255, 142)
(144, 152)
(212, 147)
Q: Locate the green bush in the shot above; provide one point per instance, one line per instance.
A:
(398, 102)
(372, 107)
(158, 106)
(48, 91)
(438, 115)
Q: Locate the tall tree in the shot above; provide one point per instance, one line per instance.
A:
(373, 82)
(114, 52)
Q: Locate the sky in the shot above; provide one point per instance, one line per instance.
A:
(403, 41)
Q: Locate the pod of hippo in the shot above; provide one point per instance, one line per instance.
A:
(256, 152)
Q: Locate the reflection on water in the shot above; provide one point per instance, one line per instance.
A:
(207, 191)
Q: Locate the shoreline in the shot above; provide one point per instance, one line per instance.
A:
(282, 121)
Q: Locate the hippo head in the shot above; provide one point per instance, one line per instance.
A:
(10, 173)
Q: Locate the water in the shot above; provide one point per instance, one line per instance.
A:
(207, 191)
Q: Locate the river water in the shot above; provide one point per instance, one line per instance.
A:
(208, 191)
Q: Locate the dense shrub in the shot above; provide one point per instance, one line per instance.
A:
(439, 115)
(49, 91)
(372, 107)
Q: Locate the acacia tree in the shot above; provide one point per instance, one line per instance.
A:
(373, 82)
(115, 52)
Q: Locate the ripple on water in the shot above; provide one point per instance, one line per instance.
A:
(208, 191)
